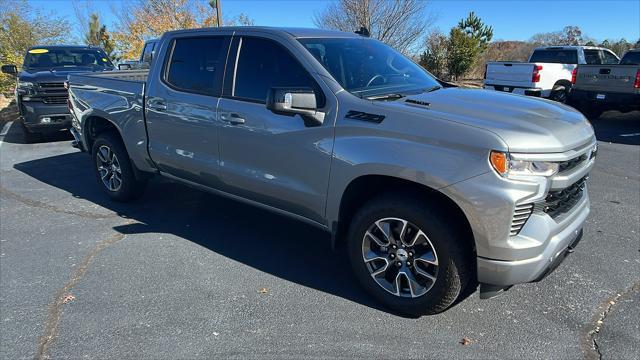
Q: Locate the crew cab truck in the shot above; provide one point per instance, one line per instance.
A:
(598, 88)
(40, 93)
(548, 73)
(427, 188)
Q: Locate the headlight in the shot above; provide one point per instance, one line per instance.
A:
(24, 84)
(507, 167)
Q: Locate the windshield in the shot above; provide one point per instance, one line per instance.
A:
(43, 58)
(367, 67)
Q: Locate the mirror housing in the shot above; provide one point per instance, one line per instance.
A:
(10, 69)
(301, 101)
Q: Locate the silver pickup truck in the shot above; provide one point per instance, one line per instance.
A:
(427, 188)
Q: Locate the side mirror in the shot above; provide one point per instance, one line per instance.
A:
(301, 101)
(10, 69)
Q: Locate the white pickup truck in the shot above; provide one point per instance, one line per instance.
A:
(549, 73)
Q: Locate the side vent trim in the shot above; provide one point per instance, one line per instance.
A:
(359, 115)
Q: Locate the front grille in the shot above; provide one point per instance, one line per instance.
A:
(520, 216)
(572, 163)
(559, 202)
(55, 100)
(52, 85)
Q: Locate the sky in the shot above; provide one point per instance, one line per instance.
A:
(511, 19)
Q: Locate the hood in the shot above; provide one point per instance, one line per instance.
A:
(53, 75)
(524, 123)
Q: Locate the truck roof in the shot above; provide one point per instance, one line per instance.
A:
(295, 32)
(64, 47)
(567, 47)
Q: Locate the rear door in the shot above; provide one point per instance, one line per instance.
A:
(181, 107)
(275, 159)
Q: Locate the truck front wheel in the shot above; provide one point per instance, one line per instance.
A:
(114, 170)
(408, 255)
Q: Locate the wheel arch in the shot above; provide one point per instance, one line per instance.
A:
(365, 187)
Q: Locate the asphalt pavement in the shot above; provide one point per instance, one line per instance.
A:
(181, 274)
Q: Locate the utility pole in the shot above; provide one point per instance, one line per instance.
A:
(216, 4)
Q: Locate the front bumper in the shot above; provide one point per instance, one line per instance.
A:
(40, 117)
(508, 251)
(563, 237)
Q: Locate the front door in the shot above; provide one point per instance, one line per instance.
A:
(181, 108)
(274, 159)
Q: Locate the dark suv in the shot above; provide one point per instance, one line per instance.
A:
(41, 96)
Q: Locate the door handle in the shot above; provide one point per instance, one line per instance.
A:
(232, 118)
(158, 105)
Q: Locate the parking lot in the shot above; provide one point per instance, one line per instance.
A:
(184, 274)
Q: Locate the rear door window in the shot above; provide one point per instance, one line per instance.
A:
(197, 64)
(592, 57)
(608, 58)
(556, 56)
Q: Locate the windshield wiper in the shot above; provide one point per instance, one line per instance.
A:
(392, 96)
(433, 88)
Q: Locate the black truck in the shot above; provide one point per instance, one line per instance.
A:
(40, 93)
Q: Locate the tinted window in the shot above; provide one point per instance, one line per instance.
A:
(557, 56)
(264, 64)
(608, 58)
(367, 67)
(51, 58)
(631, 58)
(592, 57)
(197, 64)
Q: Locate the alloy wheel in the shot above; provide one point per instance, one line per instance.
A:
(109, 168)
(400, 257)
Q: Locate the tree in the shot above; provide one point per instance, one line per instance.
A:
(474, 27)
(22, 26)
(145, 19)
(400, 23)
(99, 36)
(434, 58)
(569, 35)
(462, 52)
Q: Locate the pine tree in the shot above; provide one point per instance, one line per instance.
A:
(474, 27)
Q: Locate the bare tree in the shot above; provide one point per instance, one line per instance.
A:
(399, 23)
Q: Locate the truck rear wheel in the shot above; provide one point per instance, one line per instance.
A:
(407, 255)
(114, 170)
(560, 93)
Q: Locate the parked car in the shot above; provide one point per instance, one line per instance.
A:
(598, 88)
(428, 188)
(145, 57)
(547, 74)
(40, 93)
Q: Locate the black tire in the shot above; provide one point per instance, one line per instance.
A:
(30, 136)
(455, 260)
(128, 188)
(560, 93)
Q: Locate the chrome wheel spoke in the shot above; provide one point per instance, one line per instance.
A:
(422, 272)
(429, 257)
(414, 287)
(376, 240)
(387, 232)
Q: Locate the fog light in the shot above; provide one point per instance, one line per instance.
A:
(46, 120)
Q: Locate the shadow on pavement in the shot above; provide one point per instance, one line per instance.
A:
(265, 241)
(620, 128)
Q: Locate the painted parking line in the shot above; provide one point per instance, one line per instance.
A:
(5, 130)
